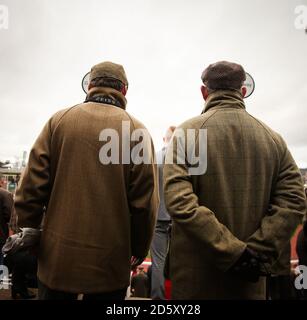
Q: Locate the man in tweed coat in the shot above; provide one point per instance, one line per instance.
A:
(99, 213)
(231, 222)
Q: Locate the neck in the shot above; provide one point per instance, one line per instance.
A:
(108, 93)
(224, 99)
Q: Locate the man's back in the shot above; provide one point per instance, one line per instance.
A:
(243, 161)
(94, 209)
(250, 177)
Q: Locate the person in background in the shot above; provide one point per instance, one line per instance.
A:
(149, 275)
(280, 284)
(22, 266)
(6, 207)
(139, 284)
(159, 244)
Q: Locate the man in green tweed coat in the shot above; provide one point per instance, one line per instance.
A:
(232, 221)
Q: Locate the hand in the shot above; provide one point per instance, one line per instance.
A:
(135, 261)
(248, 265)
(27, 238)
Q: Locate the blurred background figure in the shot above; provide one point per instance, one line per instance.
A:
(6, 206)
(140, 284)
(23, 267)
(160, 240)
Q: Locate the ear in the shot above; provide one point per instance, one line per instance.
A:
(124, 90)
(204, 92)
(243, 91)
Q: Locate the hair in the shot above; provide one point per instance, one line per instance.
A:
(231, 87)
(169, 133)
(223, 75)
(210, 91)
(172, 128)
(107, 82)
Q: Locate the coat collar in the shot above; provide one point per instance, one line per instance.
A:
(108, 93)
(224, 99)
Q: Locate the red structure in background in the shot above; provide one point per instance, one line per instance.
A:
(293, 244)
(168, 289)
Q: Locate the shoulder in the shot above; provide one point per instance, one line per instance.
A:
(199, 121)
(135, 122)
(5, 194)
(59, 115)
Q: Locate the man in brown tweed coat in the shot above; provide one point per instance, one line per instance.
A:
(99, 213)
(232, 221)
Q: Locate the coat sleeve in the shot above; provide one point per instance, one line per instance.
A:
(13, 221)
(143, 201)
(198, 221)
(33, 192)
(286, 210)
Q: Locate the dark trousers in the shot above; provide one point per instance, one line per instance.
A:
(24, 271)
(44, 293)
(280, 287)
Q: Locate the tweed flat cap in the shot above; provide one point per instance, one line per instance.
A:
(109, 69)
(223, 75)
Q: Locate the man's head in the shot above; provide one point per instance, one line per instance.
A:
(110, 75)
(223, 75)
(168, 135)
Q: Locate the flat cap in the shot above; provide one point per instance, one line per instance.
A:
(223, 75)
(109, 69)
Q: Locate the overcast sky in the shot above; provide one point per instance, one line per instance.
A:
(164, 47)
